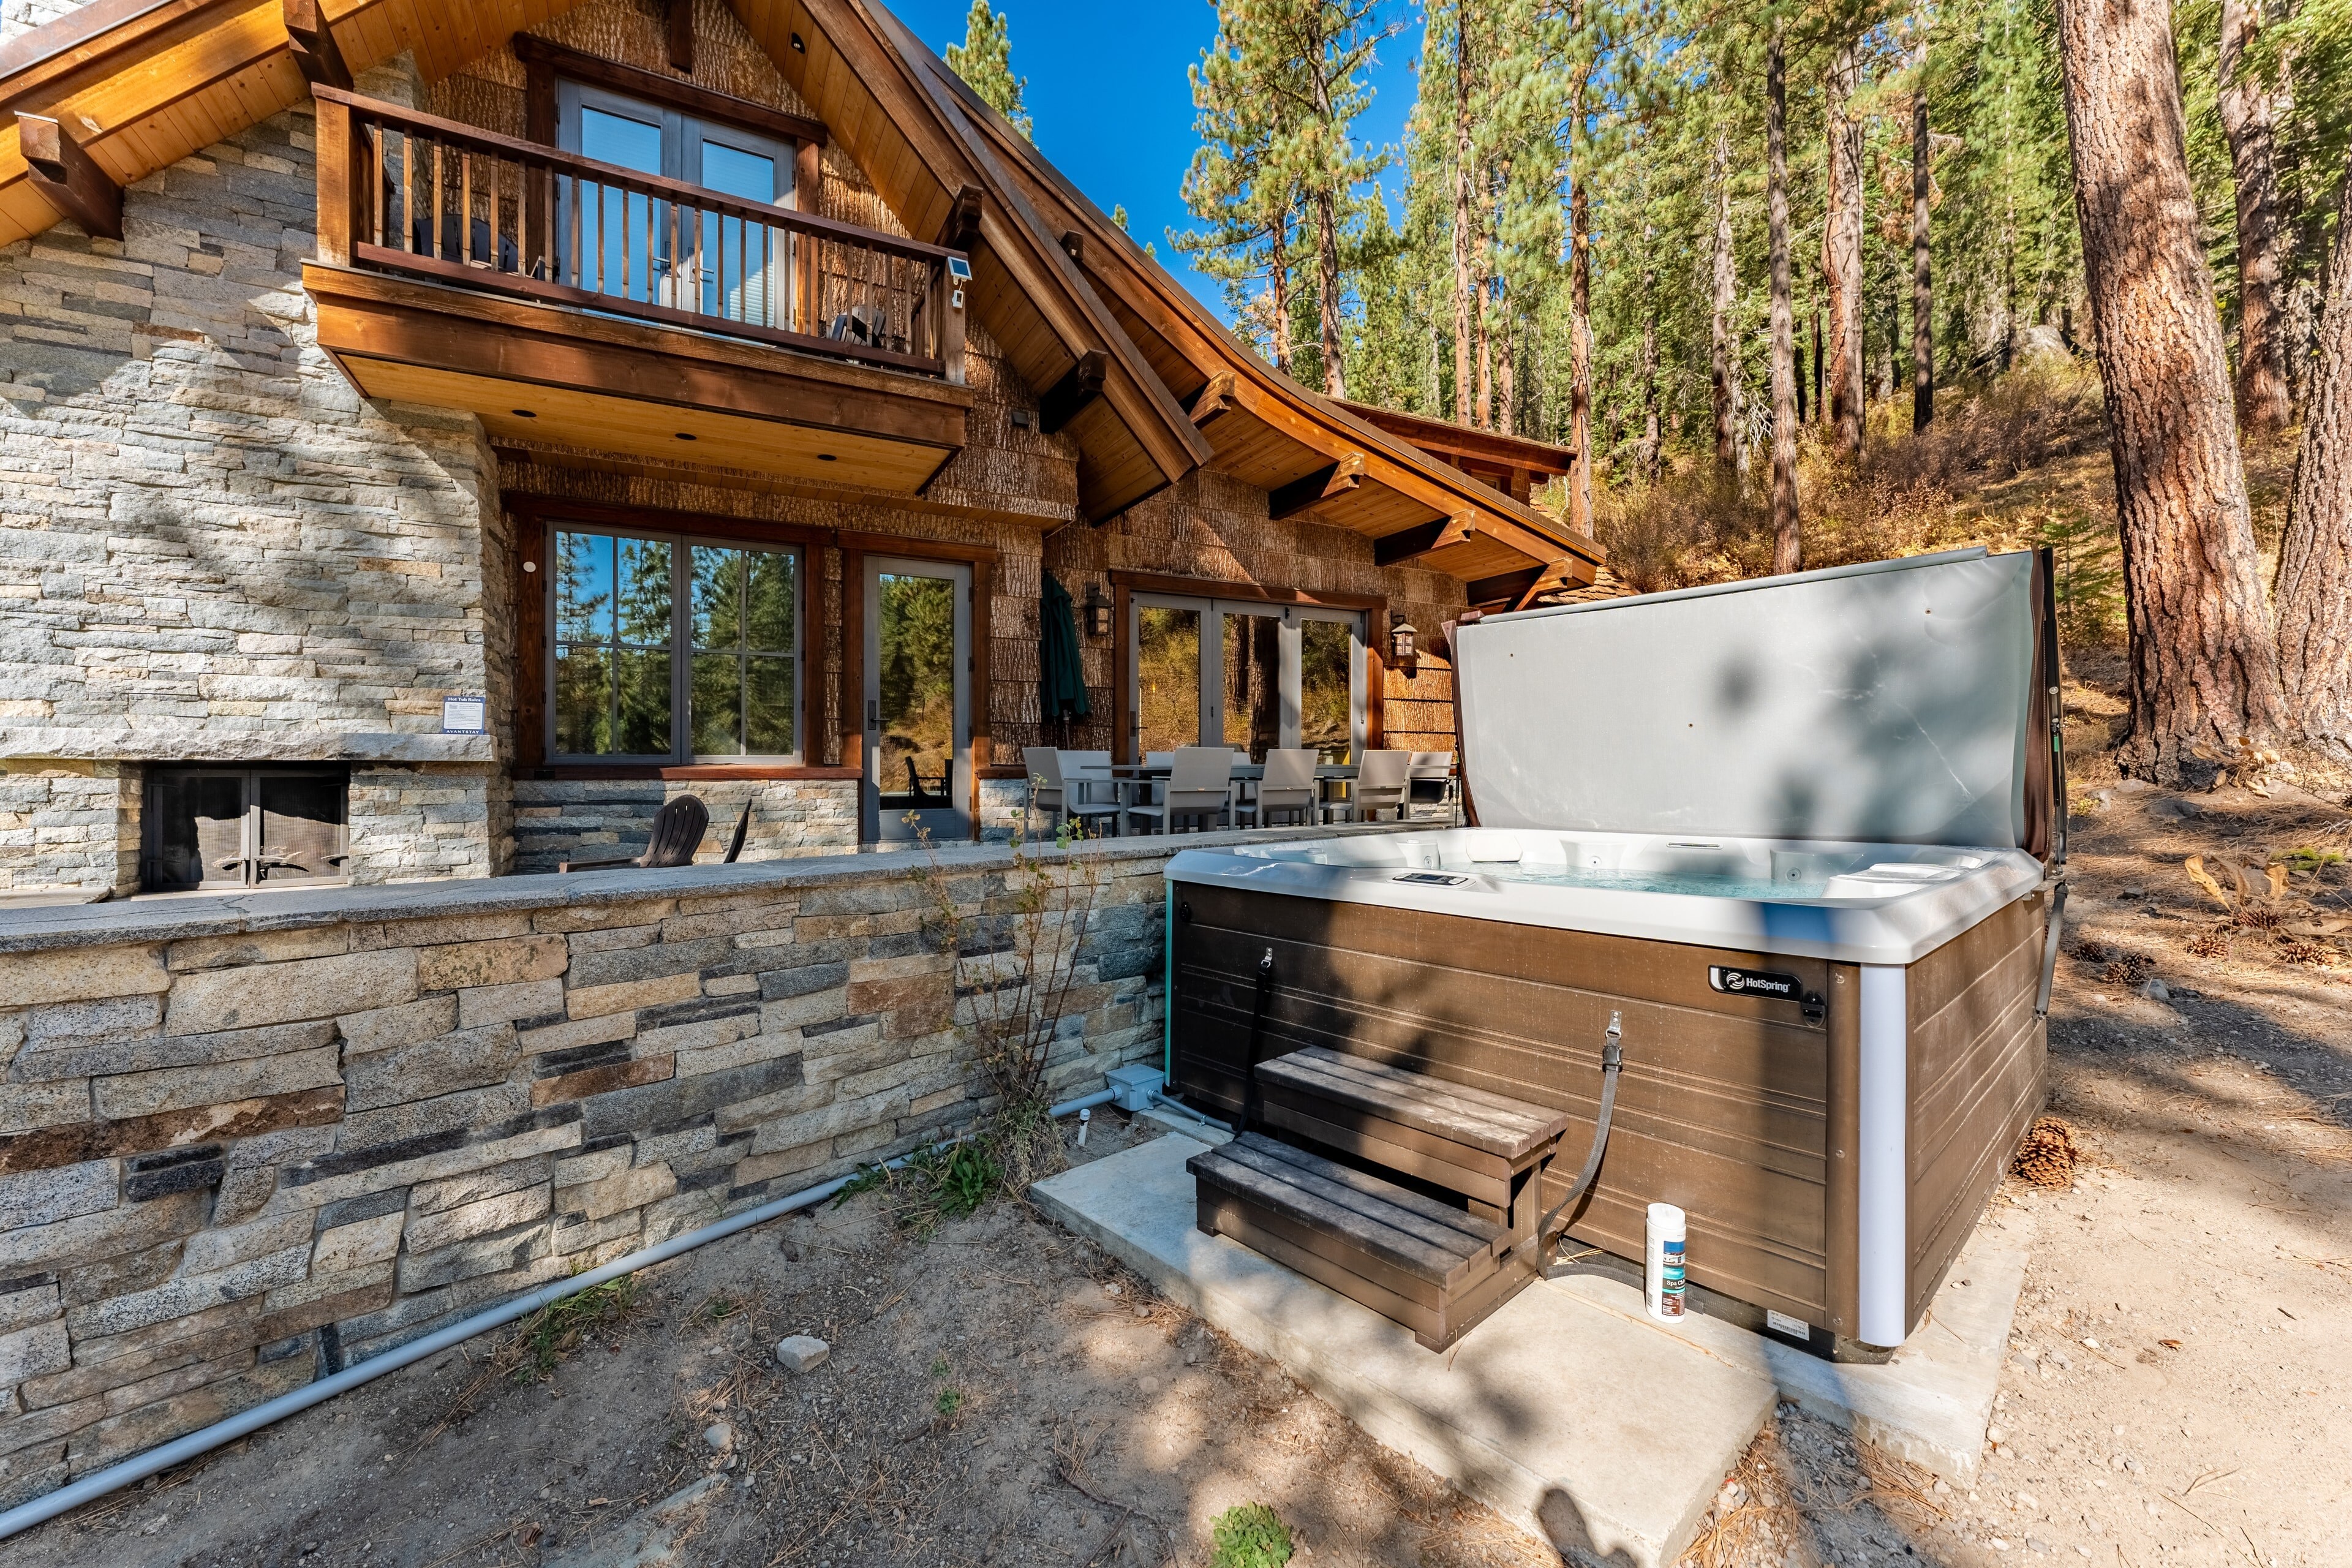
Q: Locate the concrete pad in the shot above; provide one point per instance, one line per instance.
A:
(1929, 1403)
(1605, 1438)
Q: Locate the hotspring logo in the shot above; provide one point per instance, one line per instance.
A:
(1753, 981)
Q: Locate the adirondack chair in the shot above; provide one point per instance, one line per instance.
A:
(678, 827)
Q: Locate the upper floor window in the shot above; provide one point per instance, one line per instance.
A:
(673, 650)
(634, 245)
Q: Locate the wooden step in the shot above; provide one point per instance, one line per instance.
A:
(1419, 1262)
(1462, 1138)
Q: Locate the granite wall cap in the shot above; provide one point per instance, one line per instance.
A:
(40, 928)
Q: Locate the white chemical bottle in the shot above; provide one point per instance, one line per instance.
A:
(1663, 1273)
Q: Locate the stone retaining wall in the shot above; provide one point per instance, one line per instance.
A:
(246, 1140)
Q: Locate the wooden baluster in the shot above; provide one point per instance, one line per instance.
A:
(676, 260)
(466, 206)
(498, 197)
(440, 197)
(579, 268)
(407, 192)
(375, 156)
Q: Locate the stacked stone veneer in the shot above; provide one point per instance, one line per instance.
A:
(246, 1142)
(601, 819)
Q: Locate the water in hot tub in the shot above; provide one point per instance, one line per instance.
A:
(1609, 879)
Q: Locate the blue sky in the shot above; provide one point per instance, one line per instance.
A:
(1112, 107)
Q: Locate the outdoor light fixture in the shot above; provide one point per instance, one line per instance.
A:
(1402, 651)
(799, 47)
(1097, 613)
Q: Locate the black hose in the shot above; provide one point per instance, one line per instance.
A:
(1612, 1059)
(1257, 1028)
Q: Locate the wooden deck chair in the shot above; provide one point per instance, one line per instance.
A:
(678, 827)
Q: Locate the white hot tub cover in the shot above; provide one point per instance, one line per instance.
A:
(1892, 703)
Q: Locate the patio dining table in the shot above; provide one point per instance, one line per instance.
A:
(1141, 776)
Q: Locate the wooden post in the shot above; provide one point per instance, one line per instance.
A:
(66, 178)
(338, 197)
(950, 348)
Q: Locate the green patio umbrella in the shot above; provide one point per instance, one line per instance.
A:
(1061, 677)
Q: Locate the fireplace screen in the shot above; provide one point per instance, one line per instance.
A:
(244, 828)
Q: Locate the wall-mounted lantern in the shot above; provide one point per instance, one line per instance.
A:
(1097, 610)
(1402, 653)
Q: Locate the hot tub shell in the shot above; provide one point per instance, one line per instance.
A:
(1833, 1042)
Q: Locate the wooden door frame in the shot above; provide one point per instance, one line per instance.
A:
(850, 710)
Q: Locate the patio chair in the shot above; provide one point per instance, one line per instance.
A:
(678, 827)
(1051, 790)
(1382, 784)
(1286, 790)
(1430, 777)
(1200, 785)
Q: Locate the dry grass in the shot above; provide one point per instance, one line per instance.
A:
(1954, 484)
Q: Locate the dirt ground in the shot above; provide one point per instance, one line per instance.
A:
(2178, 1388)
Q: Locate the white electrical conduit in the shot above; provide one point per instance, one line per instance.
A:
(182, 1449)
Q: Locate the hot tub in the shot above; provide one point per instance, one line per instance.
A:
(1796, 836)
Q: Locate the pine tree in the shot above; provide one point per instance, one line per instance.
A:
(985, 60)
(1237, 185)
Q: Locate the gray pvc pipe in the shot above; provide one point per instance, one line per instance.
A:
(180, 1450)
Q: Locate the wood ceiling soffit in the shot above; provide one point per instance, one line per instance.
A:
(65, 177)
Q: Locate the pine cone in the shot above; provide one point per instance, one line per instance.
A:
(2047, 1156)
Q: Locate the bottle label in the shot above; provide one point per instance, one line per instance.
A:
(1670, 1279)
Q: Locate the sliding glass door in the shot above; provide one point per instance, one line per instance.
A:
(1246, 675)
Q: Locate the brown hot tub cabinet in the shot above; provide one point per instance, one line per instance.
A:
(1793, 836)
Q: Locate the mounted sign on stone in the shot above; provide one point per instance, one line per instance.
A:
(463, 715)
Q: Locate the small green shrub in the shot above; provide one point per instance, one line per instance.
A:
(1249, 1535)
(555, 1330)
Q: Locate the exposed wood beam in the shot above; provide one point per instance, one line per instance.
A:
(1213, 400)
(1322, 485)
(315, 51)
(681, 36)
(65, 178)
(961, 231)
(1073, 392)
(1411, 543)
(1507, 588)
(1555, 576)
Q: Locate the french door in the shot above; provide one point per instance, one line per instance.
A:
(711, 265)
(919, 660)
(1245, 675)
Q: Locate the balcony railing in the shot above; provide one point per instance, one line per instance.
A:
(405, 192)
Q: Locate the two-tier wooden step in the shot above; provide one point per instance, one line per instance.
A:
(1409, 1257)
(1464, 1140)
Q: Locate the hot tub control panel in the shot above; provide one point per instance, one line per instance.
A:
(1430, 878)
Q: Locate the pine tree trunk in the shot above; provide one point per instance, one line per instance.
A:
(2314, 580)
(1580, 352)
(2249, 113)
(1326, 254)
(1842, 253)
(1486, 345)
(1923, 298)
(1281, 269)
(1506, 383)
(1725, 361)
(2204, 663)
(1463, 284)
(1653, 438)
(1787, 552)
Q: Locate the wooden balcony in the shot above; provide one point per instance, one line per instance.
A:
(577, 303)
